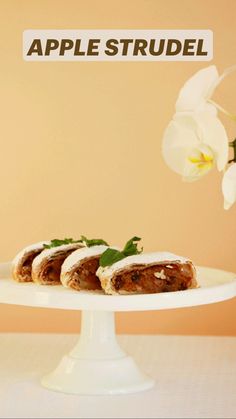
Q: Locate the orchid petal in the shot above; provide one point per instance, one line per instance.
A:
(201, 135)
(226, 72)
(214, 135)
(229, 186)
(179, 138)
(197, 89)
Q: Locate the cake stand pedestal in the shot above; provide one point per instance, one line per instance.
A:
(97, 365)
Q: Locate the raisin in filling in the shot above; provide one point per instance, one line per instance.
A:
(84, 277)
(52, 271)
(154, 278)
(26, 268)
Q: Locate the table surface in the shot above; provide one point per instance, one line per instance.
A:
(195, 378)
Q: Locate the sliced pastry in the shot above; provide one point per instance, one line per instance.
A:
(147, 273)
(22, 263)
(79, 269)
(46, 267)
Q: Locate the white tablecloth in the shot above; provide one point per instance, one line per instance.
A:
(195, 378)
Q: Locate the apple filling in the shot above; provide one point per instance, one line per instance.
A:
(84, 276)
(154, 278)
(51, 271)
(24, 274)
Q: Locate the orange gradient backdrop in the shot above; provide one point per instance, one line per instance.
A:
(81, 152)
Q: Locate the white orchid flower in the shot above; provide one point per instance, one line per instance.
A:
(229, 186)
(195, 140)
(193, 143)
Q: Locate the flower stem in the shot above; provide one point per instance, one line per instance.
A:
(228, 71)
(220, 108)
(233, 145)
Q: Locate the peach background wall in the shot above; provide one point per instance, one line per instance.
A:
(80, 152)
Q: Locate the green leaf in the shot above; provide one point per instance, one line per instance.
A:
(93, 242)
(58, 242)
(131, 248)
(111, 256)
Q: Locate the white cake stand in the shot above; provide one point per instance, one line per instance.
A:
(97, 365)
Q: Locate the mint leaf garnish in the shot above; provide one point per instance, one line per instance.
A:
(131, 248)
(58, 242)
(88, 242)
(93, 242)
(111, 256)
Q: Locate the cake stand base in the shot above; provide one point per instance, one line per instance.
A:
(97, 365)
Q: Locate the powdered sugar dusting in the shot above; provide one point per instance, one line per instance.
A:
(78, 255)
(28, 249)
(48, 253)
(144, 258)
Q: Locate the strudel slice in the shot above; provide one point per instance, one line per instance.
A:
(148, 273)
(22, 263)
(46, 267)
(79, 269)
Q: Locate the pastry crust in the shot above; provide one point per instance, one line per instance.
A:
(46, 267)
(22, 263)
(148, 273)
(79, 269)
